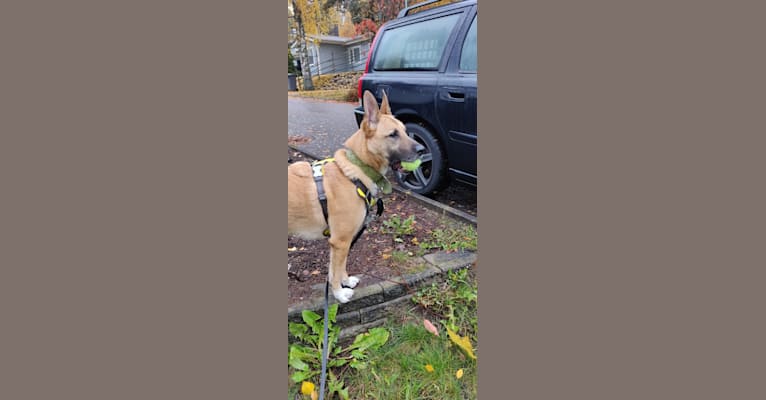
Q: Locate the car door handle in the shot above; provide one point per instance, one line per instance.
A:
(454, 95)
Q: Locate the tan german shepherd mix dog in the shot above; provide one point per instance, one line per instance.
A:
(380, 143)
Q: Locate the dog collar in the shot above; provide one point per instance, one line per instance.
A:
(380, 180)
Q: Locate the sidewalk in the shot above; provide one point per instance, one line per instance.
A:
(325, 125)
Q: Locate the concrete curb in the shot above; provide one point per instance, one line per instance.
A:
(372, 303)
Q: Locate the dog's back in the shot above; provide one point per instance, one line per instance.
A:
(304, 213)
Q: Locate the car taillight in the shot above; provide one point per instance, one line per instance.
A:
(366, 66)
(359, 86)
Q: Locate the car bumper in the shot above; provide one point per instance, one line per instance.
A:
(359, 115)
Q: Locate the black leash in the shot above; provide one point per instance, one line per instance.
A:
(365, 194)
(323, 378)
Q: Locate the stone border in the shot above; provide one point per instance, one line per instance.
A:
(372, 303)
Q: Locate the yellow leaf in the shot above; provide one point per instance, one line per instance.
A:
(314, 395)
(307, 387)
(459, 373)
(386, 256)
(463, 342)
(429, 368)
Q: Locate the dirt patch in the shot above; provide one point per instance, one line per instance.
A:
(458, 196)
(377, 255)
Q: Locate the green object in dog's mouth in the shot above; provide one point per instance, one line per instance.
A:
(410, 166)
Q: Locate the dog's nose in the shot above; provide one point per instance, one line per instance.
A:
(419, 147)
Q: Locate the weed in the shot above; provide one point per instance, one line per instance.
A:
(304, 358)
(400, 257)
(399, 228)
(454, 299)
(452, 239)
(332, 94)
(351, 95)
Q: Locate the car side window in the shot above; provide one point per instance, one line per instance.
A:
(468, 56)
(417, 46)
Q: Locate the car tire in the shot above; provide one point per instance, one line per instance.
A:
(431, 175)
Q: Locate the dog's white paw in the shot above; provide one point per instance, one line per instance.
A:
(343, 295)
(350, 282)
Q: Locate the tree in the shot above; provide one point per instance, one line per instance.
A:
(311, 20)
(346, 28)
(366, 26)
(387, 10)
(290, 62)
(360, 10)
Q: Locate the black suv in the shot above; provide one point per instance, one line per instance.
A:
(426, 62)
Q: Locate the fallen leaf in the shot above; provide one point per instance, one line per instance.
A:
(463, 342)
(430, 327)
(429, 368)
(386, 256)
(459, 373)
(315, 272)
(292, 249)
(307, 387)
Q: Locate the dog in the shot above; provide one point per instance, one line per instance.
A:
(381, 143)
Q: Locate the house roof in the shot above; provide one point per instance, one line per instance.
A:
(345, 41)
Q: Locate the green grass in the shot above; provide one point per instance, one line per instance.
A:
(453, 301)
(346, 95)
(463, 237)
(398, 369)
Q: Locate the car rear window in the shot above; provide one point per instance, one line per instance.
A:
(417, 46)
(468, 59)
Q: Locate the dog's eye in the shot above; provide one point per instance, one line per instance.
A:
(393, 134)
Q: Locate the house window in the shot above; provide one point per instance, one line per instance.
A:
(355, 55)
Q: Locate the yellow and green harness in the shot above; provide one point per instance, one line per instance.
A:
(361, 190)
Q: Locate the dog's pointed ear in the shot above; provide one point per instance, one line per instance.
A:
(371, 112)
(384, 107)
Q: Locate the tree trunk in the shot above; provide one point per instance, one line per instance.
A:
(308, 84)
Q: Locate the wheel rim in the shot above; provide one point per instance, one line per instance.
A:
(421, 177)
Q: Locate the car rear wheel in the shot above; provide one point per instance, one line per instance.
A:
(430, 176)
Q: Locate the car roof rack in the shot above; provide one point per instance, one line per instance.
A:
(407, 10)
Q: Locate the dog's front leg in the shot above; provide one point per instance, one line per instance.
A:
(337, 270)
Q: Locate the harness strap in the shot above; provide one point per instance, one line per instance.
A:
(361, 190)
(318, 168)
